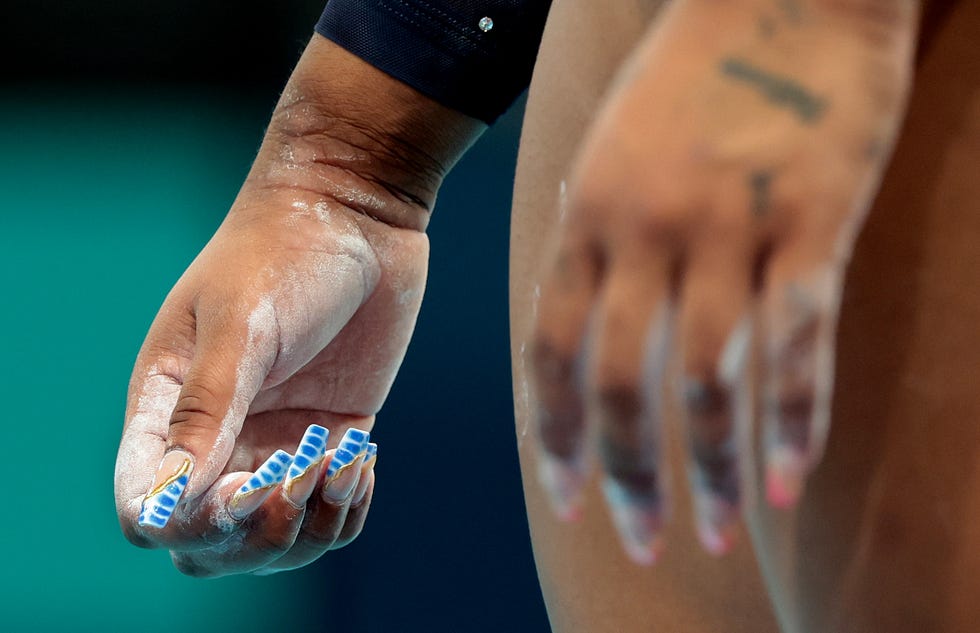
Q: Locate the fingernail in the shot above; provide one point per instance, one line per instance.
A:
(785, 474)
(342, 471)
(168, 486)
(638, 520)
(564, 486)
(260, 485)
(299, 483)
(370, 454)
(355, 441)
(717, 522)
(370, 458)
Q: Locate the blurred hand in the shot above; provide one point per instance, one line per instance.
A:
(297, 312)
(717, 196)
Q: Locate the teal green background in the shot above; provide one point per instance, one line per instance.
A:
(105, 196)
(105, 200)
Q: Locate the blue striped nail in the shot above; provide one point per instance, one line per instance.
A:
(370, 453)
(370, 458)
(354, 442)
(309, 452)
(160, 502)
(263, 481)
(269, 474)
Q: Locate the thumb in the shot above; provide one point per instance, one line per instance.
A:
(231, 361)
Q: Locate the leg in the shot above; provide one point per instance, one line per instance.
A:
(886, 537)
(588, 583)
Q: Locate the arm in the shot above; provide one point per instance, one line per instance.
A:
(714, 202)
(298, 310)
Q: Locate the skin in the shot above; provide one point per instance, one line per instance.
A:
(881, 539)
(715, 199)
(589, 582)
(326, 240)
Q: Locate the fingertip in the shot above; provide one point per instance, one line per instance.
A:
(785, 475)
(716, 541)
(717, 522)
(638, 518)
(168, 487)
(644, 554)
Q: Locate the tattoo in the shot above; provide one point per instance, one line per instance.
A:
(760, 183)
(766, 26)
(792, 10)
(782, 91)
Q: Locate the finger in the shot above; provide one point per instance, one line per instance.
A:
(152, 398)
(714, 338)
(360, 503)
(562, 317)
(800, 306)
(306, 469)
(231, 359)
(629, 352)
(264, 525)
(326, 510)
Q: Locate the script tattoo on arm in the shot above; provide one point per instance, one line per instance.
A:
(782, 91)
(760, 183)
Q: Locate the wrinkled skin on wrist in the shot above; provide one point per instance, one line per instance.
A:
(297, 311)
(712, 209)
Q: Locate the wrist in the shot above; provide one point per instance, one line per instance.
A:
(348, 132)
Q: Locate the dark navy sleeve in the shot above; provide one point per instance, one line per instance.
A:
(475, 56)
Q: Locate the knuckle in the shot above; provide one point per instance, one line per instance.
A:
(189, 565)
(318, 539)
(196, 412)
(275, 542)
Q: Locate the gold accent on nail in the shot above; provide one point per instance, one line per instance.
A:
(339, 472)
(288, 483)
(184, 468)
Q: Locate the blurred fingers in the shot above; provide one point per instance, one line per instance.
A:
(562, 317)
(800, 308)
(714, 330)
(624, 395)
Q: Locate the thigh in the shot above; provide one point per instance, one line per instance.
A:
(588, 583)
(888, 534)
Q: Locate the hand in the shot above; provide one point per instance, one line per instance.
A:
(297, 312)
(716, 198)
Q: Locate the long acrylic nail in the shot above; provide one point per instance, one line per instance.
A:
(343, 471)
(638, 520)
(168, 487)
(717, 522)
(260, 485)
(370, 459)
(785, 474)
(355, 441)
(564, 486)
(301, 478)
